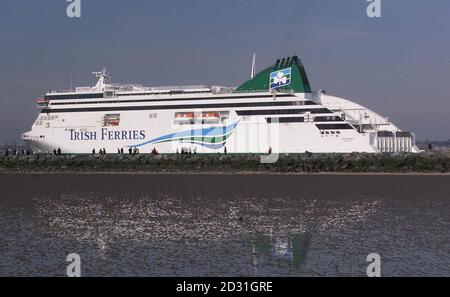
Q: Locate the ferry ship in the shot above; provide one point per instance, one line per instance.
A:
(275, 111)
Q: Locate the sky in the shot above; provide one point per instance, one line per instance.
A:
(398, 64)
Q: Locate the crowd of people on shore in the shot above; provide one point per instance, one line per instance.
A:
(120, 151)
(16, 152)
(186, 151)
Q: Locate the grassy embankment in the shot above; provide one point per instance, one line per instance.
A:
(230, 163)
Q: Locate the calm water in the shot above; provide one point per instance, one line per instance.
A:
(224, 225)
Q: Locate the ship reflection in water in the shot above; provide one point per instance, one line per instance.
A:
(198, 230)
(291, 249)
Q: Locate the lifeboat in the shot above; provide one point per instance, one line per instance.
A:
(111, 120)
(114, 122)
(210, 117)
(184, 117)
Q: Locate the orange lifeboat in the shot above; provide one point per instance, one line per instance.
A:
(114, 122)
(210, 117)
(184, 117)
(210, 114)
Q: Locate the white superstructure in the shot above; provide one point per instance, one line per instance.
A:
(275, 111)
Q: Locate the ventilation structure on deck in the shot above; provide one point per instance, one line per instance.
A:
(391, 142)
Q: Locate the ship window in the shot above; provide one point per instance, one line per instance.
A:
(108, 94)
(281, 111)
(285, 120)
(153, 115)
(333, 126)
(326, 118)
(39, 121)
(74, 96)
(111, 119)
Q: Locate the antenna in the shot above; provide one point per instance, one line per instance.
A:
(252, 74)
(101, 74)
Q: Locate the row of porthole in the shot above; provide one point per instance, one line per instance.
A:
(334, 133)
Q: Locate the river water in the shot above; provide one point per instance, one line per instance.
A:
(224, 225)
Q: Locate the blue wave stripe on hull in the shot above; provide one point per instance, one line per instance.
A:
(204, 132)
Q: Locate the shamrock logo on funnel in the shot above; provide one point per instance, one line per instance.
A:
(280, 78)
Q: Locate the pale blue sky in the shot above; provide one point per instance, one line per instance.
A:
(398, 65)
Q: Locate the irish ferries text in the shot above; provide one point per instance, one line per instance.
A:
(106, 134)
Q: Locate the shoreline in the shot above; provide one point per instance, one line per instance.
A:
(243, 173)
(298, 164)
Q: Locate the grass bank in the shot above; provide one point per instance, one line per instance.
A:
(230, 163)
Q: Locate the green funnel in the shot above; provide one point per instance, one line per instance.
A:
(286, 75)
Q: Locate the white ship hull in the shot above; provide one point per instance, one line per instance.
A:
(205, 121)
